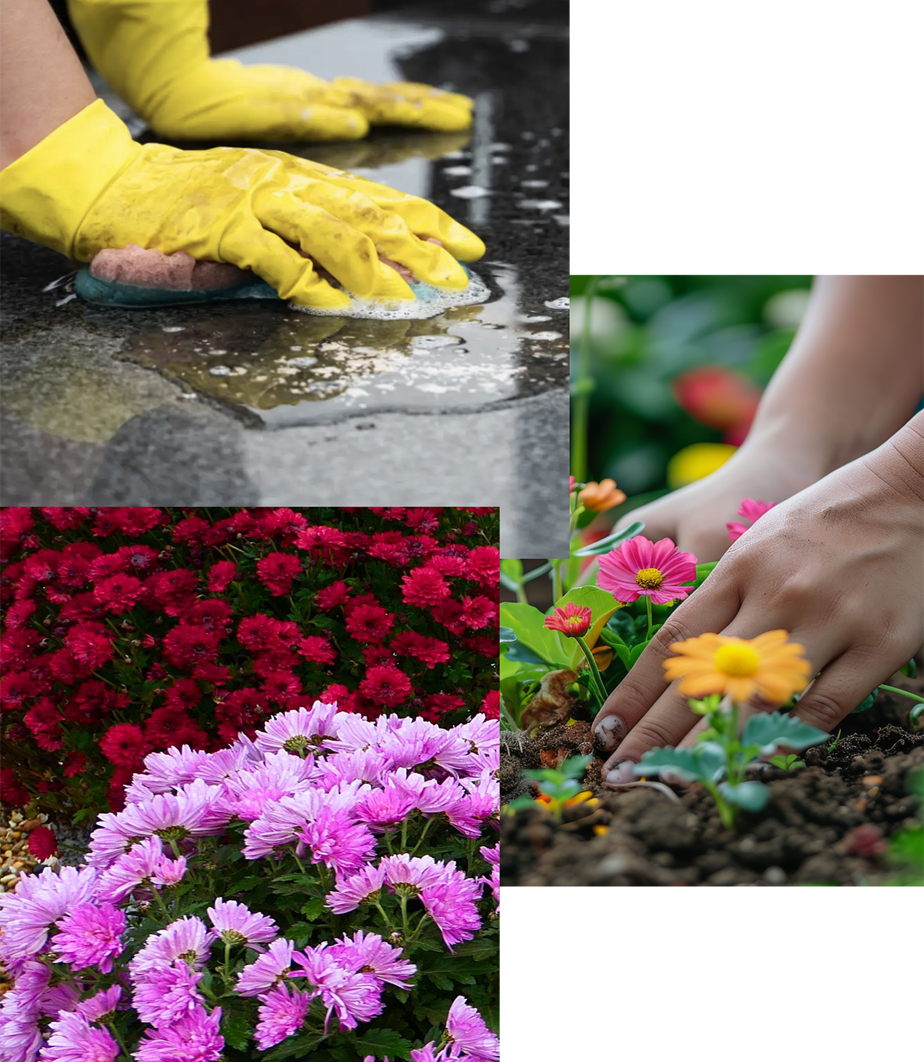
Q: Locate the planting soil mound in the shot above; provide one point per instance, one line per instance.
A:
(827, 823)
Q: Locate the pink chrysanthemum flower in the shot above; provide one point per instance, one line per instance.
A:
(100, 1005)
(466, 1027)
(144, 864)
(90, 935)
(752, 511)
(38, 901)
(167, 994)
(368, 953)
(452, 906)
(73, 1039)
(363, 887)
(282, 1013)
(236, 924)
(571, 619)
(186, 938)
(640, 568)
(353, 997)
(300, 732)
(266, 970)
(194, 1038)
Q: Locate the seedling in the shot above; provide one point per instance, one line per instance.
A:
(787, 763)
(833, 745)
(557, 787)
(719, 764)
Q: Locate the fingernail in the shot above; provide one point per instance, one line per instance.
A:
(621, 771)
(609, 732)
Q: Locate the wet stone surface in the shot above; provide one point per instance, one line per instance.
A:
(86, 376)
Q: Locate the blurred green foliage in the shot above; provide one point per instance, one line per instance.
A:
(645, 331)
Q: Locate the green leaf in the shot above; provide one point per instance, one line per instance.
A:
(382, 1042)
(771, 730)
(635, 652)
(867, 702)
(527, 623)
(605, 545)
(507, 635)
(512, 568)
(536, 572)
(752, 796)
(702, 570)
(313, 908)
(705, 761)
(236, 1024)
(521, 803)
(910, 669)
(600, 602)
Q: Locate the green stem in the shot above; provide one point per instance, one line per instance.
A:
(118, 1039)
(161, 904)
(427, 826)
(556, 580)
(583, 386)
(228, 961)
(648, 612)
(600, 689)
(386, 919)
(727, 812)
(915, 718)
(521, 594)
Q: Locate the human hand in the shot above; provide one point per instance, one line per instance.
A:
(840, 566)
(155, 54)
(89, 186)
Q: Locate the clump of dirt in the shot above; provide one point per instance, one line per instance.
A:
(826, 823)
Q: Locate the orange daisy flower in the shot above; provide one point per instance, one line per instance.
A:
(767, 665)
(599, 497)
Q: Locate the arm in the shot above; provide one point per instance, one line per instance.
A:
(41, 80)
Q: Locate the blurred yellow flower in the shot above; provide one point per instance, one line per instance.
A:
(599, 497)
(696, 461)
(767, 665)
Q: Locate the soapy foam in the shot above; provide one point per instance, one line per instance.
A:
(428, 302)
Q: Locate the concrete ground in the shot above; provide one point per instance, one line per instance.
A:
(254, 403)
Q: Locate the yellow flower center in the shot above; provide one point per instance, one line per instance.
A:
(737, 661)
(649, 578)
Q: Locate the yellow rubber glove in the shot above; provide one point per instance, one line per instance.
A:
(155, 54)
(88, 186)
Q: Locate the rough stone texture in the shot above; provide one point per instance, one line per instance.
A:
(252, 404)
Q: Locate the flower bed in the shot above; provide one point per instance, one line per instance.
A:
(130, 630)
(328, 888)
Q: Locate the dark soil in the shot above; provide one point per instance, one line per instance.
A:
(826, 823)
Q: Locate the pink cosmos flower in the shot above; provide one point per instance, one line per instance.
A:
(194, 1038)
(751, 510)
(571, 619)
(266, 970)
(90, 934)
(73, 1039)
(640, 568)
(368, 953)
(465, 1027)
(282, 1013)
(236, 924)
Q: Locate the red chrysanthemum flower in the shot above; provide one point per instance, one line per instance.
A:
(331, 596)
(12, 792)
(369, 623)
(490, 706)
(118, 593)
(185, 646)
(453, 565)
(423, 587)
(257, 632)
(277, 571)
(42, 842)
(429, 651)
(478, 612)
(123, 744)
(317, 649)
(74, 763)
(184, 693)
(172, 726)
(213, 614)
(386, 685)
(88, 644)
(221, 575)
(571, 619)
(438, 705)
(67, 517)
(129, 520)
(484, 564)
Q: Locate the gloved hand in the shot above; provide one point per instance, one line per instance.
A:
(155, 54)
(88, 186)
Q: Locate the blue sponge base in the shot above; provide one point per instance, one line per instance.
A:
(112, 293)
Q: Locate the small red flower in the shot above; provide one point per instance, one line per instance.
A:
(123, 745)
(386, 685)
(572, 620)
(42, 842)
(369, 623)
(88, 644)
(423, 587)
(490, 706)
(332, 596)
(118, 593)
(221, 575)
(277, 571)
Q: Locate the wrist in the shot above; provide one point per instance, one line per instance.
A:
(898, 465)
(80, 158)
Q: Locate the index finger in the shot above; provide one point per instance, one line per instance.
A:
(710, 608)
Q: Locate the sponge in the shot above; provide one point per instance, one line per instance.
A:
(136, 277)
